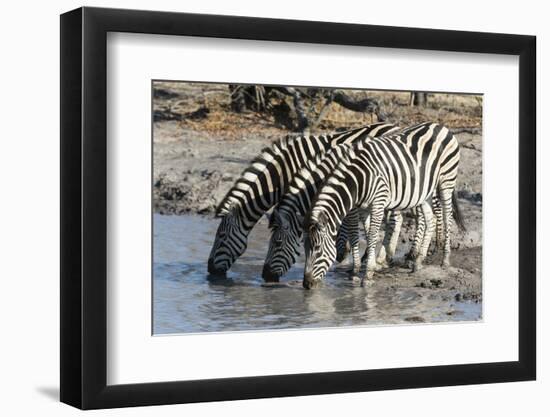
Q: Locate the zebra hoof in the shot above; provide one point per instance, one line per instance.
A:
(384, 264)
(311, 284)
(416, 266)
(445, 264)
(367, 282)
(410, 256)
(354, 278)
(341, 258)
(379, 266)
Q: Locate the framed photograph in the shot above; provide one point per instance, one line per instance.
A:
(258, 208)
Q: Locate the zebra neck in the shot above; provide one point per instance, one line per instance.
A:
(371, 181)
(338, 199)
(307, 182)
(249, 216)
(297, 202)
(268, 178)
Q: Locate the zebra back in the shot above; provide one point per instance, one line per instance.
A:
(402, 169)
(263, 183)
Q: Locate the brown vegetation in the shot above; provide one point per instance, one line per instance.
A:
(211, 108)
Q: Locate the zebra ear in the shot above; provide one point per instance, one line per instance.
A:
(221, 211)
(225, 207)
(322, 220)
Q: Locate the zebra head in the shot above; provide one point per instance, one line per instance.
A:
(283, 246)
(320, 249)
(230, 242)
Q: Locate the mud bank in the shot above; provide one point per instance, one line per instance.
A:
(457, 283)
(448, 289)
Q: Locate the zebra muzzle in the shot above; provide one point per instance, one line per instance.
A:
(212, 269)
(309, 282)
(269, 276)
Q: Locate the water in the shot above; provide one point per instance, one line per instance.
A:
(185, 300)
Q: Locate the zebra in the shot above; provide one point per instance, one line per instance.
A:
(285, 222)
(264, 182)
(391, 172)
(287, 217)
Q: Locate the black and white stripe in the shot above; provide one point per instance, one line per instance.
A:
(286, 220)
(392, 172)
(394, 219)
(264, 182)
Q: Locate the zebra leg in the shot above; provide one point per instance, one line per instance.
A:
(420, 226)
(446, 196)
(439, 239)
(427, 215)
(381, 258)
(343, 247)
(394, 221)
(365, 219)
(376, 216)
(352, 226)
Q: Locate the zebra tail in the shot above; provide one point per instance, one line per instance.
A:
(457, 214)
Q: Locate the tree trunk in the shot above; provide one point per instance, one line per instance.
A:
(238, 103)
(300, 110)
(419, 99)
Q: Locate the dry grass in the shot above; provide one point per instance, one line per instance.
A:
(182, 98)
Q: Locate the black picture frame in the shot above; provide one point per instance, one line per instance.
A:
(84, 207)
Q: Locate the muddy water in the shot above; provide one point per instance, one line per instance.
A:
(186, 300)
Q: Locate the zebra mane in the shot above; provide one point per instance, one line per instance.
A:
(277, 147)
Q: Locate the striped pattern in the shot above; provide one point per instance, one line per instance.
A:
(286, 220)
(287, 217)
(392, 172)
(385, 256)
(263, 184)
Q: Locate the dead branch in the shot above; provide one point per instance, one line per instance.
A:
(364, 105)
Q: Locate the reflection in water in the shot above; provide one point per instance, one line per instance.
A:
(187, 299)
